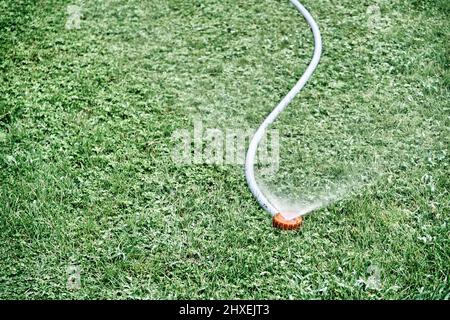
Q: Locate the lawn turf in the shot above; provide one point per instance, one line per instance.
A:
(87, 179)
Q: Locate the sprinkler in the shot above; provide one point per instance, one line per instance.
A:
(285, 223)
(282, 220)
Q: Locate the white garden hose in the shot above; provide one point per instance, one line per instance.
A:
(251, 153)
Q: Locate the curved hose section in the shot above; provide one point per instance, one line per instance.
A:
(251, 153)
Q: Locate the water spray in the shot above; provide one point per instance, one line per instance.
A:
(282, 220)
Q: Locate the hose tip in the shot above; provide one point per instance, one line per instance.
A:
(282, 223)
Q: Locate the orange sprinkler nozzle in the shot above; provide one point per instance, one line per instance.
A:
(282, 223)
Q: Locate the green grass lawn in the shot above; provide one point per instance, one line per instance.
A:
(87, 180)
